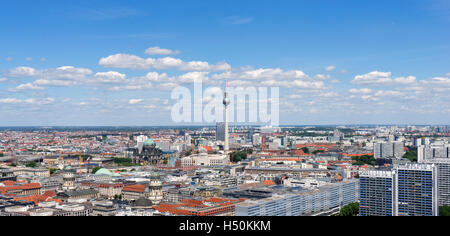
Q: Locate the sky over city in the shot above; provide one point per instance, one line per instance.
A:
(104, 63)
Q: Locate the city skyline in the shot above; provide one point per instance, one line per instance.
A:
(111, 63)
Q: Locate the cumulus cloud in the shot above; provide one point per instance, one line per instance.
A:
(126, 61)
(160, 51)
(22, 71)
(64, 72)
(382, 78)
(28, 86)
(109, 77)
(441, 81)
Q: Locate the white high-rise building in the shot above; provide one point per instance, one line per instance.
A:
(428, 152)
(388, 149)
(443, 169)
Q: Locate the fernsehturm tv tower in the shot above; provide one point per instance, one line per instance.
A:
(226, 102)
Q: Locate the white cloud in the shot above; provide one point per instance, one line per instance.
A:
(3, 80)
(330, 68)
(328, 95)
(374, 77)
(440, 81)
(239, 83)
(28, 86)
(156, 77)
(382, 78)
(191, 77)
(135, 101)
(360, 91)
(295, 96)
(56, 83)
(28, 59)
(160, 51)
(306, 84)
(9, 59)
(322, 77)
(405, 80)
(44, 101)
(127, 61)
(132, 87)
(383, 93)
(109, 77)
(22, 71)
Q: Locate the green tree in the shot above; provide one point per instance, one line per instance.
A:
(124, 162)
(411, 155)
(364, 160)
(305, 150)
(97, 168)
(444, 211)
(53, 170)
(351, 209)
(31, 164)
(238, 156)
(317, 151)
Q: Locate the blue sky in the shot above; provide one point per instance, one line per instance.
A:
(365, 62)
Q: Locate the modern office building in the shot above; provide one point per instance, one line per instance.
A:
(416, 190)
(376, 193)
(325, 200)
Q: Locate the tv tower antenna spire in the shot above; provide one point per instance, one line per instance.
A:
(226, 103)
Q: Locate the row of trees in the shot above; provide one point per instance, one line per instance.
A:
(364, 160)
(124, 162)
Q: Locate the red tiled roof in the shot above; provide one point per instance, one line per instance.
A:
(9, 183)
(269, 183)
(17, 187)
(208, 148)
(134, 188)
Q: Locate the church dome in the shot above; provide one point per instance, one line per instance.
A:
(149, 142)
(104, 171)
